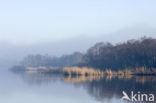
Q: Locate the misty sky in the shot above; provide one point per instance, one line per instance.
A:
(33, 21)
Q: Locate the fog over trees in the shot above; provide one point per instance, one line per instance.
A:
(130, 54)
(11, 54)
(46, 60)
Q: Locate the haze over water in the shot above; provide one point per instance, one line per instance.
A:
(62, 27)
(31, 87)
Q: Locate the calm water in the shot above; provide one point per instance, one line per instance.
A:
(46, 88)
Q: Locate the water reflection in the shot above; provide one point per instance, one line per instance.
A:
(101, 88)
(37, 78)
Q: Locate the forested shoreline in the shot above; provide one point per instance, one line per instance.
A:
(131, 55)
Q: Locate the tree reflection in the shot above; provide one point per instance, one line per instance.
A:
(100, 88)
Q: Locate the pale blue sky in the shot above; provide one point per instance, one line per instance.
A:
(33, 21)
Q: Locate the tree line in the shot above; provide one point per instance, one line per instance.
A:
(130, 54)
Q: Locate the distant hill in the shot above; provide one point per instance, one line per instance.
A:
(11, 54)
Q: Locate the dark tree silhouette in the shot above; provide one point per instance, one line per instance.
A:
(130, 54)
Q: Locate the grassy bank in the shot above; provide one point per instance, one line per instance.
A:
(85, 74)
(88, 71)
(92, 71)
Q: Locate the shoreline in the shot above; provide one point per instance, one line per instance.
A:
(86, 71)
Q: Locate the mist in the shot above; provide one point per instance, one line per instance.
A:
(12, 54)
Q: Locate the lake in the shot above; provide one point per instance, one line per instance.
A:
(34, 87)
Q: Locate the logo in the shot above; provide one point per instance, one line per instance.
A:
(138, 97)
